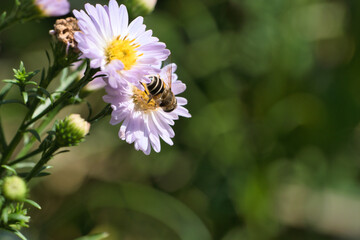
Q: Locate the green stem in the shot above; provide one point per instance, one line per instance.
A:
(49, 117)
(24, 12)
(53, 71)
(15, 141)
(4, 91)
(40, 129)
(73, 89)
(37, 151)
(50, 108)
(44, 159)
(3, 144)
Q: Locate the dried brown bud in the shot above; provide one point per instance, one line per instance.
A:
(64, 30)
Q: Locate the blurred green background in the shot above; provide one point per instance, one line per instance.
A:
(272, 148)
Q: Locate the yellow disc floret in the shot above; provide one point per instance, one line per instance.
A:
(123, 50)
(142, 100)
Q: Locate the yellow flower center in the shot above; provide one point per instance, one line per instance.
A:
(141, 100)
(123, 50)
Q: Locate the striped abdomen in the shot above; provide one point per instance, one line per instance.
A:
(156, 86)
(162, 93)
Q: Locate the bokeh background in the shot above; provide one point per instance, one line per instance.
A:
(272, 150)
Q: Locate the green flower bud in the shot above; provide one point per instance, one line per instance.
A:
(142, 7)
(71, 131)
(14, 188)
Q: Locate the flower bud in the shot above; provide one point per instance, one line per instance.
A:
(142, 7)
(71, 131)
(14, 188)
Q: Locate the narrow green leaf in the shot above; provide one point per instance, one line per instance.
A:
(89, 109)
(18, 217)
(46, 167)
(43, 174)
(4, 215)
(32, 203)
(21, 67)
(11, 81)
(97, 236)
(34, 133)
(43, 74)
(63, 151)
(31, 82)
(32, 74)
(9, 169)
(48, 56)
(23, 165)
(104, 112)
(19, 234)
(25, 96)
(46, 93)
(5, 90)
(41, 98)
(16, 232)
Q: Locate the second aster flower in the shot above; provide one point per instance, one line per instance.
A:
(123, 51)
(143, 120)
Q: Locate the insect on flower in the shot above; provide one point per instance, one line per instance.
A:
(161, 92)
(146, 114)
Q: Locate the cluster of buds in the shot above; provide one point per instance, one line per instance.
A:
(71, 131)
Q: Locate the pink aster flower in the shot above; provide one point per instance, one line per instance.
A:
(124, 51)
(53, 8)
(144, 122)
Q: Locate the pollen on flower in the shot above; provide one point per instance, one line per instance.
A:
(123, 50)
(141, 100)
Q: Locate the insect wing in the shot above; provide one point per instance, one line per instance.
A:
(168, 76)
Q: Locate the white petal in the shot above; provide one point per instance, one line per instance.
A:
(114, 14)
(148, 149)
(181, 111)
(136, 27)
(152, 133)
(178, 87)
(181, 101)
(104, 21)
(124, 20)
(122, 129)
